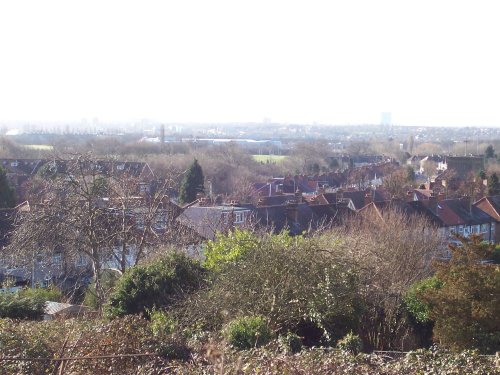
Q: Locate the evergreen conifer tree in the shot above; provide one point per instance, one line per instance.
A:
(7, 196)
(493, 185)
(192, 183)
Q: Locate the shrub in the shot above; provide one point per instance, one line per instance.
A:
(157, 284)
(290, 281)
(350, 343)
(414, 302)
(495, 256)
(247, 332)
(161, 323)
(228, 248)
(15, 344)
(466, 308)
(27, 303)
(290, 343)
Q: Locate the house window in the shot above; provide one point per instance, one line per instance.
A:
(57, 259)
(81, 261)
(14, 164)
(484, 228)
(453, 229)
(460, 229)
(238, 217)
(161, 222)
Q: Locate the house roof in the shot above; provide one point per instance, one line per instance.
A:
(494, 202)
(54, 308)
(23, 167)
(459, 212)
(208, 220)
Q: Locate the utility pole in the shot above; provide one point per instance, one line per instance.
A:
(466, 141)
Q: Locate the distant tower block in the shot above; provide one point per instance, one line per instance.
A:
(386, 118)
(162, 134)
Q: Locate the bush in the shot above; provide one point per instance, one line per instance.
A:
(350, 343)
(495, 256)
(228, 248)
(290, 343)
(466, 308)
(247, 332)
(16, 344)
(27, 303)
(161, 323)
(414, 302)
(158, 284)
(290, 281)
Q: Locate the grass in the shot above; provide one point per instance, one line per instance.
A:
(269, 158)
(40, 147)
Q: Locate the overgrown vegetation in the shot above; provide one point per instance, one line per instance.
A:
(158, 284)
(359, 288)
(27, 303)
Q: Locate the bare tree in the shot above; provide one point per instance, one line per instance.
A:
(95, 209)
(392, 250)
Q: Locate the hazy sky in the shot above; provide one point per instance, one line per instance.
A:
(427, 62)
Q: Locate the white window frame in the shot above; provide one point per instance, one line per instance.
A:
(239, 217)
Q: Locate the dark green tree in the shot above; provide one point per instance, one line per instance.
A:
(482, 175)
(7, 196)
(192, 183)
(489, 152)
(493, 185)
(410, 175)
(465, 304)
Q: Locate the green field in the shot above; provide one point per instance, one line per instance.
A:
(40, 147)
(269, 158)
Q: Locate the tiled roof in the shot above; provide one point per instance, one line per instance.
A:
(459, 211)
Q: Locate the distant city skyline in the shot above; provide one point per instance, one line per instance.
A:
(327, 62)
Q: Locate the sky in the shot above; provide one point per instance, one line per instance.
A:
(434, 63)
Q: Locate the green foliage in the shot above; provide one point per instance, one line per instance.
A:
(290, 281)
(158, 284)
(414, 303)
(495, 255)
(350, 343)
(161, 323)
(7, 194)
(466, 308)
(489, 152)
(14, 343)
(410, 174)
(248, 332)
(109, 278)
(27, 303)
(493, 185)
(192, 183)
(290, 343)
(229, 248)
(226, 248)
(15, 306)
